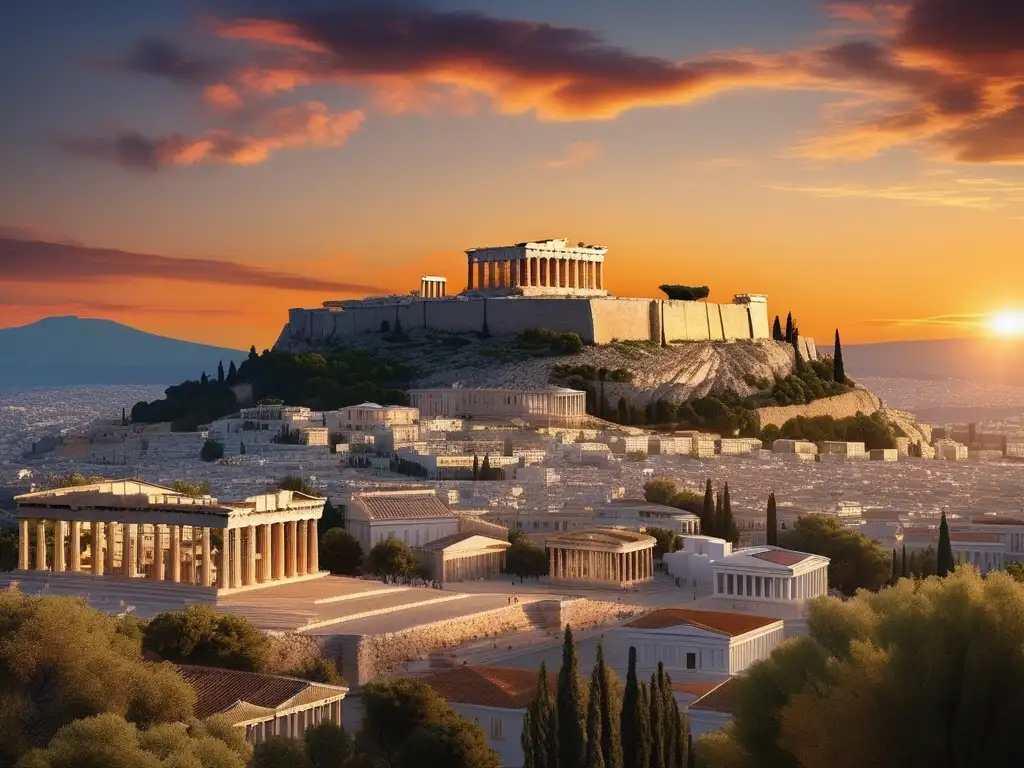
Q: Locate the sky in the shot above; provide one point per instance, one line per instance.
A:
(196, 167)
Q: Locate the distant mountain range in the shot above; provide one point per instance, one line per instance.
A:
(74, 351)
(986, 361)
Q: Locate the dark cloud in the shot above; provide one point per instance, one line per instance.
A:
(998, 138)
(162, 58)
(984, 35)
(24, 261)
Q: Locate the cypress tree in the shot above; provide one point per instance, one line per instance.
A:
(220, 372)
(681, 739)
(204, 379)
(668, 706)
(797, 356)
(777, 330)
(944, 562)
(707, 512)
(895, 567)
(789, 328)
(726, 503)
(539, 727)
(569, 710)
(657, 704)
(595, 754)
(838, 369)
(623, 409)
(727, 527)
(716, 526)
(611, 734)
(772, 535)
(476, 467)
(636, 724)
(903, 568)
(691, 754)
(232, 372)
(253, 354)
(485, 468)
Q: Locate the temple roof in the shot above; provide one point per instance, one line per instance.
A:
(401, 505)
(500, 687)
(719, 622)
(613, 537)
(251, 695)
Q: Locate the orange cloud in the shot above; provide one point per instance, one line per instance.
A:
(222, 96)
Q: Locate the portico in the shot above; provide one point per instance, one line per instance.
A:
(545, 267)
(770, 574)
(137, 530)
(601, 554)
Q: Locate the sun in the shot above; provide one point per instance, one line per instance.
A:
(1009, 322)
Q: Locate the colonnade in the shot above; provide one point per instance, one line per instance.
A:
(597, 565)
(535, 272)
(805, 585)
(294, 724)
(485, 565)
(433, 287)
(181, 554)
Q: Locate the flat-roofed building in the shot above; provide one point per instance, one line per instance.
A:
(841, 449)
(547, 405)
(801, 448)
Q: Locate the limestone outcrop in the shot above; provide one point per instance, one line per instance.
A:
(838, 407)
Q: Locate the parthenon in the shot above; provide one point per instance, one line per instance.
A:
(134, 529)
(601, 554)
(544, 267)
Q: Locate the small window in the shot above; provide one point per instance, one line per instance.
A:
(497, 731)
(691, 661)
(729, 581)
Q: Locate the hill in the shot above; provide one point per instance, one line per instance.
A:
(72, 351)
(987, 361)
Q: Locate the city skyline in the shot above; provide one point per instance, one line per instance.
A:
(195, 169)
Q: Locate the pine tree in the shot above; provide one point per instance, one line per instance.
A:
(539, 746)
(611, 734)
(777, 334)
(838, 369)
(707, 512)
(657, 703)
(635, 720)
(789, 328)
(903, 567)
(253, 355)
(476, 467)
(220, 372)
(569, 709)
(485, 468)
(232, 372)
(944, 562)
(594, 755)
(772, 535)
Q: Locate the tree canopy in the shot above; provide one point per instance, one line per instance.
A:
(524, 558)
(199, 635)
(340, 552)
(925, 674)
(61, 660)
(857, 562)
(392, 557)
(685, 292)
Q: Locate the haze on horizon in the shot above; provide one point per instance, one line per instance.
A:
(196, 168)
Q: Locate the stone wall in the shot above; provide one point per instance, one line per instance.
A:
(291, 651)
(597, 320)
(839, 407)
(585, 614)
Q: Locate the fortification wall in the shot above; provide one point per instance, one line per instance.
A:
(511, 316)
(597, 320)
(620, 319)
(839, 407)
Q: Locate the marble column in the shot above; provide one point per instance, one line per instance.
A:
(313, 546)
(140, 547)
(59, 543)
(266, 557)
(469, 275)
(303, 559)
(158, 553)
(291, 548)
(249, 576)
(278, 551)
(96, 547)
(236, 557)
(109, 547)
(481, 275)
(40, 545)
(175, 574)
(555, 277)
(491, 275)
(207, 559)
(23, 545)
(128, 551)
(75, 548)
(224, 560)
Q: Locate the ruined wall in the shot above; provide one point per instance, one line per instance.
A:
(620, 319)
(454, 316)
(735, 321)
(839, 407)
(511, 316)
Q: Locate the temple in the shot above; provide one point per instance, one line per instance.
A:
(541, 268)
(132, 529)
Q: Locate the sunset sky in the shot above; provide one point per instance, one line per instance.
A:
(196, 167)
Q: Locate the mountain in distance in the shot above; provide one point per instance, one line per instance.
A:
(76, 351)
(981, 360)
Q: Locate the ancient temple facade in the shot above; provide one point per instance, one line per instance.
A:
(131, 529)
(540, 268)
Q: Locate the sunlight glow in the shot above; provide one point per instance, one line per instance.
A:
(1009, 322)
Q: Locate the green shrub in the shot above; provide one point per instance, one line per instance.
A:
(685, 292)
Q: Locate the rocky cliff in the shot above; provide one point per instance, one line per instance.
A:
(839, 407)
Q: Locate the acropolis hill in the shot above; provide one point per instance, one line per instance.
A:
(674, 350)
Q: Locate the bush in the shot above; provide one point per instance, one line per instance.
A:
(392, 557)
(340, 552)
(874, 431)
(319, 670)
(553, 341)
(212, 450)
(685, 292)
(198, 635)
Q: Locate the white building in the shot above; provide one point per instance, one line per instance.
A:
(713, 710)
(367, 417)
(770, 574)
(692, 563)
(841, 449)
(884, 454)
(415, 517)
(556, 405)
(799, 448)
(694, 644)
(496, 698)
(950, 450)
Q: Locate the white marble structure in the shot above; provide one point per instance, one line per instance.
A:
(540, 268)
(601, 554)
(433, 287)
(770, 574)
(558, 404)
(142, 530)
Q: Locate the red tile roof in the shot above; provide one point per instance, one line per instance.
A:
(402, 505)
(722, 622)
(217, 690)
(720, 699)
(500, 687)
(780, 556)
